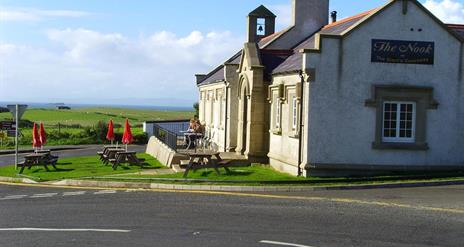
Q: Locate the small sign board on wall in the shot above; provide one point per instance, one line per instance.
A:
(7, 125)
(11, 133)
(401, 51)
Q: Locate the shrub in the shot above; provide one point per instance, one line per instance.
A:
(141, 138)
(4, 109)
(101, 129)
(26, 124)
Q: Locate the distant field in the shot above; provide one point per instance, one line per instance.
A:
(71, 127)
(90, 117)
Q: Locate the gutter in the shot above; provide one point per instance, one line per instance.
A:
(300, 131)
(226, 126)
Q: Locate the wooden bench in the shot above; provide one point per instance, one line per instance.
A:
(125, 157)
(110, 154)
(205, 160)
(38, 159)
(104, 151)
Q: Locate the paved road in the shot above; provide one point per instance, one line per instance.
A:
(9, 159)
(82, 217)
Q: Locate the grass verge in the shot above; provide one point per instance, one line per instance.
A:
(255, 175)
(71, 168)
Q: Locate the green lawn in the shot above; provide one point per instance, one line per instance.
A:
(252, 173)
(80, 167)
(262, 175)
(92, 168)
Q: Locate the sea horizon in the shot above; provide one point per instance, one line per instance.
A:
(35, 105)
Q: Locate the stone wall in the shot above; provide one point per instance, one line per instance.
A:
(342, 128)
(163, 153)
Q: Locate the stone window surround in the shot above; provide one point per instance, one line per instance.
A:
(293, 133)
(220, 99)
(423, 96)
(276, 93)
(283, 92)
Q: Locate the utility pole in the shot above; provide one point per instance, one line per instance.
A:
(16, 137)
(17, 111)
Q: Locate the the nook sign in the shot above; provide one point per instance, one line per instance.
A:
(400, 51)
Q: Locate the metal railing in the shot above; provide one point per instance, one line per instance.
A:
(170, 132)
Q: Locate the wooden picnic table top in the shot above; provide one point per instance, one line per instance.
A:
(35, 155)
(204, 154)
(192, 134)
(127, 152)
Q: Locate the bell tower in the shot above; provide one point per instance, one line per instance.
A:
(261, 23)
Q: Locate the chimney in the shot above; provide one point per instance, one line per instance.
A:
(310, 15)
(333, 16)
(261, 23)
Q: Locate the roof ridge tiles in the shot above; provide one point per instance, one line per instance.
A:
(344, 20)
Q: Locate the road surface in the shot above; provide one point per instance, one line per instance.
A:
(36, 216)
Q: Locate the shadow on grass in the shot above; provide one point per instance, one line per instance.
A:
(147, 166)
(231, 173)
(52, 170)
(64, 164)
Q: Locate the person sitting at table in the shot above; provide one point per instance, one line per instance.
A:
(196, 134)
(191, 129)
(198, 128)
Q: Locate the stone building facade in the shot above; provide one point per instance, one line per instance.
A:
(377, 92)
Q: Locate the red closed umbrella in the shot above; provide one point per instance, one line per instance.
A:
(110, 133)
(35, 137)
(127, 137)
(42, 135)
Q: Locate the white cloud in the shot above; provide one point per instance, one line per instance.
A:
(284, 15)
(86, 64)
(449, 11)
(28, 14)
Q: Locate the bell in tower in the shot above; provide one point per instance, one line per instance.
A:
(261, 23)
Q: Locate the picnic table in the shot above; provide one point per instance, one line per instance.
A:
(110, 153)
(104, 151)
(125, 157)
(38, 159)
(203, 160)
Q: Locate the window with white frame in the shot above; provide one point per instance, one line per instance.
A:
(294, 113)
(223, 110)
(399, 121)
(278, 113)
(202, 106)
(211, 107)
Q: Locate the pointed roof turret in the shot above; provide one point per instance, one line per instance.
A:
(262, 12)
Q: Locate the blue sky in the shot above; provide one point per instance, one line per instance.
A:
(140, 52)
(134, 18)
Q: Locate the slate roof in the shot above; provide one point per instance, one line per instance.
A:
(218, 74)
(271, 59)
(289, 61)
(457, 28)
(295, 61)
